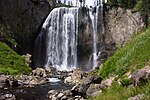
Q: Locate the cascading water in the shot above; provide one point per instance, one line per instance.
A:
(94, 18)
(61, 31)
(57, 44)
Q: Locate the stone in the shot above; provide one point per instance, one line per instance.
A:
(121, 25)
(39, 72)
(4, 82)
(31, 13)
(80, 89)
(93, 79)
(137, 97)
(60, 95)
(141, 75)
(7, 97)
(28, 59)
(75, 77)
(37, 80)
(94, 90)
(107, 83)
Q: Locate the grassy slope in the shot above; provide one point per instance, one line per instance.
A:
(136, 54)
(11, 62)
(132, 56)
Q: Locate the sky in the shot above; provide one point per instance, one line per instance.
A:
(87, 2)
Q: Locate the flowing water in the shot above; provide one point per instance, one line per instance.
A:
(57, 42)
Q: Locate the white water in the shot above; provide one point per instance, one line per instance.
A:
(60, 33)
(94, 18)
(62, 38)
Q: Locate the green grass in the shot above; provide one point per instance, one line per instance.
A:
(118, 92)
(11, 62)
(133, 55)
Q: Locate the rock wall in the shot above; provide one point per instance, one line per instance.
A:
(23, 17)
(121, 25)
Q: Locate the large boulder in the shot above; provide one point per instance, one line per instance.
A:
(141, 75)
(74, 77)
(107, 83)
(81, 89)
(39, 72)
(94, 90)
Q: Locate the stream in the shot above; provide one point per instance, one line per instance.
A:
(38, 92)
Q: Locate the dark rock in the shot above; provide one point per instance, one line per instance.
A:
(141, 76)
(7, 97)
(80, 89)
(4, 82)
(23, 17)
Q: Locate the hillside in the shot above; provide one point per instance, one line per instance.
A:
(11, 62)
(134, 55)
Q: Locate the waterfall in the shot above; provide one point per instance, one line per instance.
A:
(61, 29)
(95, 18)
(61, 41)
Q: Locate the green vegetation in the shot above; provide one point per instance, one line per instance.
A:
(132, 56)
(11, 62)
(118, 92)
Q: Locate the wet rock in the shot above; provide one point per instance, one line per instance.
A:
(39, 72)
(4, 82)
(137, 97)
(75, 77)
(141, 76)
(94, 90)
(37, 80)
(7, 97)
(62, 95)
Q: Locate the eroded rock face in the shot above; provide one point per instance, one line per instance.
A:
(121, 25)
(23, 18)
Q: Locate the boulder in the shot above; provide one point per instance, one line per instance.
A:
(4, 82)
(107, 83)
(37, 80)
(62, 95)
(141, 75)
(80, 89)
(94, 90)
(75, 77)
(39, 72)
(7, 97)
(137, 97)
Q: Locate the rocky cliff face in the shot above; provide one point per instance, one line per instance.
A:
(121, 25)
(23, 18)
